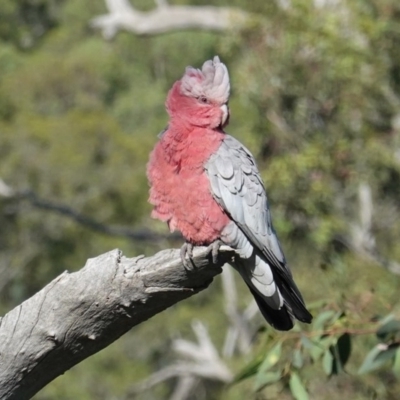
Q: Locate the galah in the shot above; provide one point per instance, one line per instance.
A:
(206, 184)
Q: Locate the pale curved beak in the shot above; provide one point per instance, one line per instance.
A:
(225, 114)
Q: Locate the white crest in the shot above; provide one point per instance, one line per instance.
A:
(212, 81)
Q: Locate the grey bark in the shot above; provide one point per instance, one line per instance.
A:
(80, 313)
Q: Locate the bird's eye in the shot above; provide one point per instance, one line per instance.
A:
(203, 99)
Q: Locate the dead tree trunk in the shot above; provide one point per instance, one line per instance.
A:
(78, 314)
(166, 18)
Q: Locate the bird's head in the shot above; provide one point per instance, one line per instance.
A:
(200, 97)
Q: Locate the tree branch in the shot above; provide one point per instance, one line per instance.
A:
(199, 361)
(78, 314)
(362, 240)
(165, 18)
(138, 235)
(238, 333)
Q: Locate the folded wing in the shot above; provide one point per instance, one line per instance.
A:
(237, 186)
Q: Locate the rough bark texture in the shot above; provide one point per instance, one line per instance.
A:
(78, 314)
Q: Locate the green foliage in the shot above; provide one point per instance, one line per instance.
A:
(23, 22)
(264, 375)
(315, 97)
(297, 388)
(387, 350)
(328, 345)
(312, 75)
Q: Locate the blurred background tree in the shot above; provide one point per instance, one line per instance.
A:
(315, 97)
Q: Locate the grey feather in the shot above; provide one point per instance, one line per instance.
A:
(215, 185)
(236, 185)
(252, 267)
(225, 169)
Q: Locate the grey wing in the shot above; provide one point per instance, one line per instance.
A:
(237, 186)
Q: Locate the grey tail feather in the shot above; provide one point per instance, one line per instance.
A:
(281, 320)
(293, 297)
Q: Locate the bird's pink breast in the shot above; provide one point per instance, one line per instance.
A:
(180, 190)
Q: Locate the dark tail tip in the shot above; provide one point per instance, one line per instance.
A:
(281, 319)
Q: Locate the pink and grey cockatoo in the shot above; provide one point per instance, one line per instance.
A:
(206, 184)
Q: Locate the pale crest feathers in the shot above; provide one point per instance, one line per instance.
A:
(211, 82)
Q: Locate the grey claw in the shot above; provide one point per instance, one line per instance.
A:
(187, 249)
(213, 248)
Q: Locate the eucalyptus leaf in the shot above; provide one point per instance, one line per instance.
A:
(297, 388)
(320, 345)
(263, 377)
(327, 362)
(248, 371)
(396, 364)
(307, 343)
(266, 378)
(316, 352)
(297, 358)
(377, 357)
(388, 329)
(389, 353)
(341, 353)
(271, 358)
(322, 319)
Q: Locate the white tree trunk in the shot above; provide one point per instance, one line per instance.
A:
(78, 314)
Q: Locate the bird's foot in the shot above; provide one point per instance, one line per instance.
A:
(213, 248)
(187, 249)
